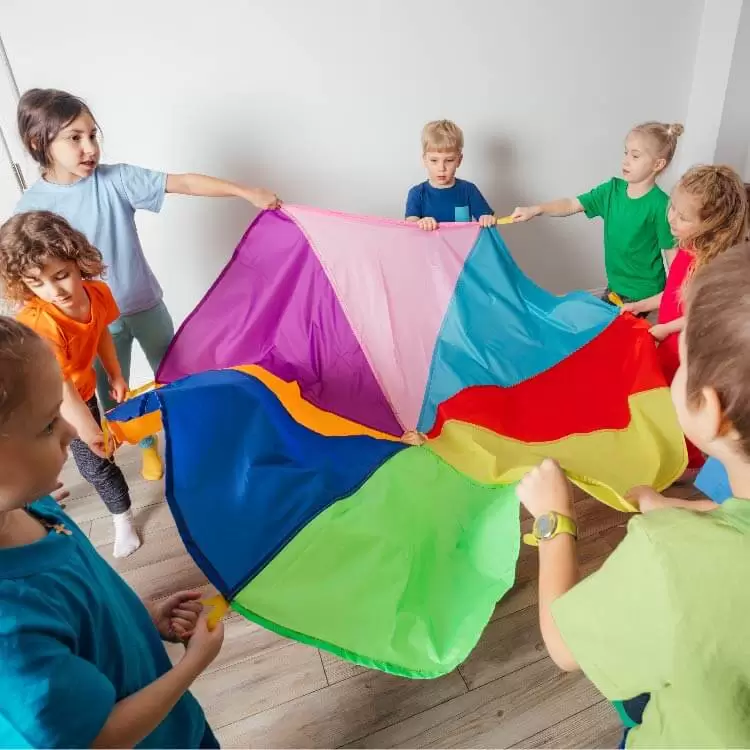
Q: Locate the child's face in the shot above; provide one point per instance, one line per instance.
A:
(57, 281)
(442, 166)
(34, 439)
(639, 163)
(684, 215)
(75, 150)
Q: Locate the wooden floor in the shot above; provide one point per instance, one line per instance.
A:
(266, 691)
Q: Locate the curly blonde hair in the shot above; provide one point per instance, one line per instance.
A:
(723, 211)
(30, 239)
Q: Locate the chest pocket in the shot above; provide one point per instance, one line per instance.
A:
(461, 213)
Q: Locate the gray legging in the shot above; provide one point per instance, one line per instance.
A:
(104, 475)
(153, 329)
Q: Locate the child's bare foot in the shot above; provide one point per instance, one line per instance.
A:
(60, 494)
(545, 489)
(646, 498)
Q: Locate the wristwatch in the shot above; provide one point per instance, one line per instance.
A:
(548, 526)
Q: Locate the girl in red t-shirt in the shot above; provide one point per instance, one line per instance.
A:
(707, 215)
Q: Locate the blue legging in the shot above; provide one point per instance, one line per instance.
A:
(153, 329)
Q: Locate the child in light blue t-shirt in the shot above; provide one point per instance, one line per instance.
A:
(443, 197)
(100, 200)
(82, 662)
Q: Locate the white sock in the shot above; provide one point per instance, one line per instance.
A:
(127, 540)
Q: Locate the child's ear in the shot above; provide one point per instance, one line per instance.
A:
(460, 159)
(714, 422)
(660, 165)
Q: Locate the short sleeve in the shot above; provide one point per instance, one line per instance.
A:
(663, 232)
(618, 624)
(478, 206)
(51, 697)
(595, 201)
(106, 302)
(143, 188)
(414, 202)
(44, 326)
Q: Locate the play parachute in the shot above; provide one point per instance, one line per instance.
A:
(287, 393)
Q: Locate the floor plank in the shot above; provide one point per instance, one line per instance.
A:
(498, 714)
(259, 683)
(338, 669)
(598, 726)
(343, 712)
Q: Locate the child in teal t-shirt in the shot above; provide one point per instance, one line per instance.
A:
(634, 210)
(662, 624)
(82, 662)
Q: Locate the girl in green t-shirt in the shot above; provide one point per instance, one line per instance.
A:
(634, 210)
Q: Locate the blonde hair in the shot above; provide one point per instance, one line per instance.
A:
(664, 136)
(723, 210)
(442, 135)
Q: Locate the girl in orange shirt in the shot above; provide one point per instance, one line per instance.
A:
(49, 266)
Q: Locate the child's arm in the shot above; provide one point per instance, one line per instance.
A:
(661, 330)
(561, 207)
(649, 304)
(647, 499)
(542, 490)
(108, 357)
(75, 411)
(212, 187)
(136, 716)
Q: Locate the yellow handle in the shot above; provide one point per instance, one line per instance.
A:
(615, 299)
(505, 220)
(219, 607)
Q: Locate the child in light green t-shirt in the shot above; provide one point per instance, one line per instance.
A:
(634, 210)
(662, 624)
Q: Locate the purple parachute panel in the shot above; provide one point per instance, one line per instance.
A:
(273, 306)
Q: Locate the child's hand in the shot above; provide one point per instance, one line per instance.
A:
(524, 213)
(634, 308)
(486, 221)
(428, 224)
(645, 498)
(176, 617)
(659, 331)
(118, 389)
(546, 488)
(204, 644)
(95, 441)
(262, 198)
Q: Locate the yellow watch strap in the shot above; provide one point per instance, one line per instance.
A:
(565, 525)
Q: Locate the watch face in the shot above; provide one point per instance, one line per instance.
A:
(546, 525)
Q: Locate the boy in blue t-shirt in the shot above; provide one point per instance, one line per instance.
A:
(442, 197)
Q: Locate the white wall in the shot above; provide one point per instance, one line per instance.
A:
(323, 101)
(734, 131)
